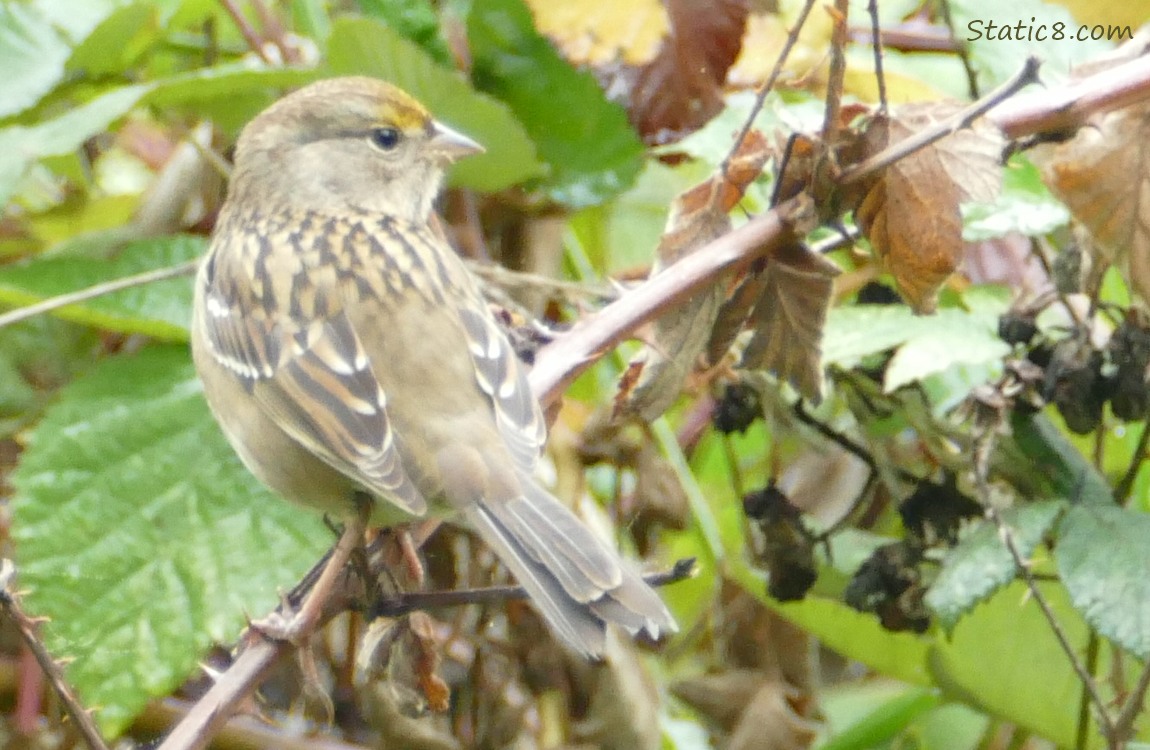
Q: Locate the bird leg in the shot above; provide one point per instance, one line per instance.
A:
(295, 627)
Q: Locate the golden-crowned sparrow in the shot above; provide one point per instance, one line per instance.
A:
(349, 357)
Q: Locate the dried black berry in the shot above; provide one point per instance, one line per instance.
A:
(1074, 383)
(1129, 351)
(738, 408)
(888, 584)
(1016, 327)
(934, 513)
(781, 543)
(877, 293)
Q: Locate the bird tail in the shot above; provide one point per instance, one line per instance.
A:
(578, 582)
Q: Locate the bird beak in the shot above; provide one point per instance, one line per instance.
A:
(452, 145)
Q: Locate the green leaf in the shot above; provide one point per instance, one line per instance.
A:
(310, 18)
(363, 46)
(1025, 205)
(21, 146)
(1004, 660)
(229, 80)
(32, 56)
(794, 111)
(886, 716)
(36, 357)
(160, 309)
(592, 151)
(416, 20)
(141, 536)
(1038, 452)
(1103, 558)
(855, 634)
(621, 235)
(117, 41)
(926, 344)
(980, 564)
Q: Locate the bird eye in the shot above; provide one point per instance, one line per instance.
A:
(386, 138)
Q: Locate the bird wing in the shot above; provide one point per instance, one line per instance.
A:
(500, 376)
(314, 379)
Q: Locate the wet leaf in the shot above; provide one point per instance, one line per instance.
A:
(1104, 561)
(142, 536)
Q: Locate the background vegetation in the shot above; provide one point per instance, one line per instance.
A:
(909, 529)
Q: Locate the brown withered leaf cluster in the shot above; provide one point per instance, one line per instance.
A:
(791, 297)
(911, 211)
(1102, 174)
(761, 697)
(697, 216)
(784, 301)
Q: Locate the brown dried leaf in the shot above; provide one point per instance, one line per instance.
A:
(624, 710)
(665, 61)
(911, 213)
(682, 87)
(721, 697)
(697, 216)
(771, 722)
(789, 317)
(1103, 176)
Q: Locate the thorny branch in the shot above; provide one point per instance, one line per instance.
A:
(27, 626)
(923, 138)
(258, 659)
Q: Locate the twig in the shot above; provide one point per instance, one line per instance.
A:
(913, 36)
(1123, 725)
(404, 602)
(1007, 536)
(1066, 108)
(213, 710)
(209, 714)
(765, 88)
(10, 604)
(561, 361)
(241, 731)
(97, 290)
(1082, 735)
(275, 31)
(247, 31)
(927, 136)
(872, 11)
(963, 51)
(837, 72)
(508, 279)
(982, 452)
